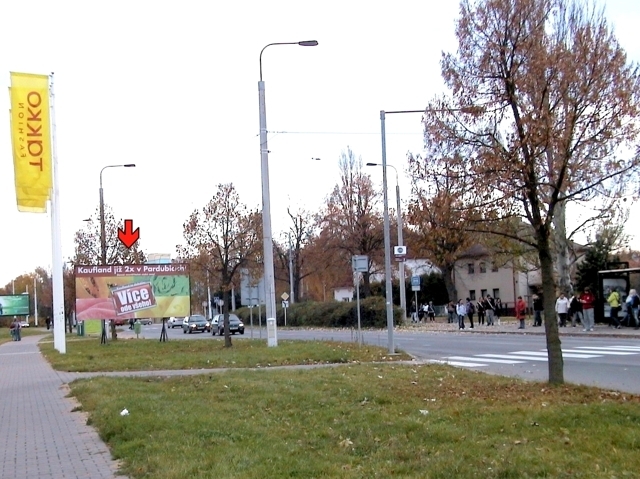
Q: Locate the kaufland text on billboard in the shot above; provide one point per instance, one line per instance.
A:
(132, 291)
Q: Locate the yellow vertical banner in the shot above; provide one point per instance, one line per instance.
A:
(31, 140)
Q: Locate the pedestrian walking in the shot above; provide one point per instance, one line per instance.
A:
(588, 300)
(470, 311)
(575, 310)
(633, 301)
(461, 310)
(538, 308)
(490, 310)
(48, 322)
(451, 312)
(431, 311)
(480, 309)
(614, 304)
(562, 309)
(521, 311)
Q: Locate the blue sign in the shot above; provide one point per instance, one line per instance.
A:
(415, 280)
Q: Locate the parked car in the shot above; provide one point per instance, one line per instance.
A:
(175, 322)
(145, 321)
(24, 324)
(196, 322)
(120, 321)
(235, 325)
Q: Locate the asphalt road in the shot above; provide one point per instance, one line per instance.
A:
(606, 362)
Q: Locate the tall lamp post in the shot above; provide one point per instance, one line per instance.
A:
(103, 238)
(267, 240)
(401, 279)
(387, 241)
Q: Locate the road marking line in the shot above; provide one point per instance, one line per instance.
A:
(512, 356)
(598, 351)
(585, 355)
(612, 348)
(501, 361)
(456, 363)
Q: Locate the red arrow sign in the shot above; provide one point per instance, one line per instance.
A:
(128, 237)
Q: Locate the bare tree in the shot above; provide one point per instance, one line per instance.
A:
(87, 242)
(295, 243)
(224, 236)
(541, 100)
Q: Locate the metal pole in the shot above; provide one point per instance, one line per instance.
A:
(291, 298)
(103, 239)
(209, 298)
(35, 302)
(57, 263)
(358, 300)
(387, 239)
(267, 240)
(401, 279)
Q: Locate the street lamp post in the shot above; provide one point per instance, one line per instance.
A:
(103, 248)
(103, 238)
(387, 245)
(267, 239)
(401, 278)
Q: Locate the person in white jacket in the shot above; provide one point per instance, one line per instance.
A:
(562, 308)
(461, 310)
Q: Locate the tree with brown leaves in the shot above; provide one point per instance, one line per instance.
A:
(225, 233)
(351, 220)
(541, 101)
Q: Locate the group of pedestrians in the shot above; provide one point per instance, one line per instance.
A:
(422, 312)
(631, 305)
(579, 308)
(487, 308)
(15, 330)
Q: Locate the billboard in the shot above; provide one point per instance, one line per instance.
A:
(132, 291)
(14, 305)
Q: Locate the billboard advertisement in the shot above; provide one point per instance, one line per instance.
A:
(132, 291)
(14, 305)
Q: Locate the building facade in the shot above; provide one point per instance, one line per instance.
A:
(476, 275)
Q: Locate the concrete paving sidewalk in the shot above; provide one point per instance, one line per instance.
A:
(40, 436)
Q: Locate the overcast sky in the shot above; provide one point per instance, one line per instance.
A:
(172, 87)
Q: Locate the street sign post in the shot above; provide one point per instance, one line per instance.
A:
(285, 305)
(359, 264)
(415, 287)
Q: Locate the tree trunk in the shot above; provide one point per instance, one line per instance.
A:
(447, 275)
(226, 299)
(114, 335)
(366, 285)
(562, 259)
(554, 349)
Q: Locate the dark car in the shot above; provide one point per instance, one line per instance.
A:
(195, 322)
(235, 325)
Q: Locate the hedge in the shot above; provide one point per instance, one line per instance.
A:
(333, 314)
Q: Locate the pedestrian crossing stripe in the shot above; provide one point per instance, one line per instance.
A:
(518, 357)
(526, 358)
(599, 351)
(567, 355)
